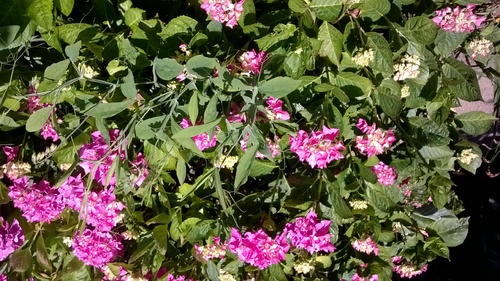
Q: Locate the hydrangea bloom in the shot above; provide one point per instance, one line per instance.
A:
(3, 277)
(48, 131)
(458, 19)
(235, 114)
(375, 141)
(251, 62)
(275, 110)
(15, 169)
(98, 150)
(356, 277)
(363, 58)
(319, 149)
(73, 191)
(407, 68)
(96, 248)
(257, 248)
(273, 147)
(38, 202)
(202, 141)
(366, 246)
(171, 277)
(11, 238)
(480, 47)
(102, 210)
(212, 251)
(309, 234)
(224, 11)
(386, 175)
(11, 152)
(407, 269)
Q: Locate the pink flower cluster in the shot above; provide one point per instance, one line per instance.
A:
(319, 149)
(48, 130)
(375, 141)
(202, 141)
(235, 114)
(171, 277)
(275, 110)
(216, 250)
(251, 62)
(356, 277)
(11, 152)
(386, 175)
(38, 202)
(257, 248)
(407, 269)
(96, 248)
(366, 246)
(11, 238)
(224, 11)
(458, 19)
(3, 277)
(273, 147)
(310, 234)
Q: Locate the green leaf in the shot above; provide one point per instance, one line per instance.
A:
(420, 29)
(374, 9)
(280, 33)
(133, 17)
(274, 273)
(462, 80)
(181, 170)
(195, 130)
(279, 87)
(324, 262)
(352, 83)
(40, 11)
(106, 110)
(73, 50)
(260, 168)
(143, 246)
(160, 235)
(193, 108)
(475, 122)
(201, 231)
(298, 6)
(437, 246)
(447, 42)
(211, 112)
(201, 66)
(327, 10)
(294, 65)
(177, 26)
(212, 271)
(437, 152)
(56, 70)
(379, 199)
(42, 257)
(475, 161)
(128, 86)
(167, 68)
(243, 168)
(8, 35)
(382, 54)
(453, 231)
(389, 99)
(72, 32)
(338, 203)
(331, 46)
(37, 119)
(65, 6)
(20, 261)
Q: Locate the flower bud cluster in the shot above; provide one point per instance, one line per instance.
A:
(458, 19)
(480, 47)
(386, 175)
(224, 11)
(467, 155)
(216, 250)
(251, 62)
(363, 58)
(356, 277)
(375, 141)
(366, 246)
(407, 68)
(407, 269)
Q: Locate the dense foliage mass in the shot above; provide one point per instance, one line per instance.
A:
(248, 140)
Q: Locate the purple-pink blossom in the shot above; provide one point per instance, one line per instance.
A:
(96, 248)
(356, 277)
(386, 175)
(407, 269)
(458, 19)
(275, 110)
(273, 147)
(171, 277)
(3, 277)
(48, 131)
(73, 191)
(319, 149)
(224, 11)
(11, 152)
(38, 202)
(102, 210)
(366, 246)
(215, 250)
(202, 141)
(375, 141)
(235, 114)
(11, 238)
(310, 234)
(251, 62)
(257, 248)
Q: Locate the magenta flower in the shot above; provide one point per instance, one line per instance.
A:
(3, 277)
(224, 11)
(11, 238)
(257, 248)
(235, 114)
(102, 210)
(273, 147)
(356, 277)
(319, 149)
(202, 141)
(73, 191)
(275, 110)
(38, 202)
(48, 131)
(366, 246)
(407, 269)
(216, 250)
(375, 141)
(386, 175)
(310, 234)
(171, 277)
(11, 152)
(251, 62)
(458, 19)
(96, 248)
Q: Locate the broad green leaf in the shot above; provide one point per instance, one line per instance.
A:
(73, 50)
(327, 10)
(260, 168)
(437, 246)
(382, 54)
(434, 134)
(389, 99)
(274, 273)
(56, 70)
(72, 32)
(201, 231)
(115, 67)
(160, 235)
(279, 87)
(106, 110)
(298, 6)
(280, 33)
(8, 35)
(20, 260)
(177, 26)
(338, 203)
(331, 46)
(167, 68)
(40, 11)
(379, 199)
(128, 86)
(193, 108)
(133, 55)
(212, 271)
(453, 231)
(294, 65)
(37, 119)
(420, 29)
(143, 246)
(201, 66)
(438, 152)
(7, 123)
(65, 6)
(133, 17)
(462, 80)
(374, 9)
(211, 112)
(188, 224)
(243, 168)
(181, 170)
(475, 122)
(195, 130)
(352, 83)
(447, 42)
(42, 257)
(324, 262)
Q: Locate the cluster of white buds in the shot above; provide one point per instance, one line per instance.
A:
(358, 204)
(303, 267)
(363, 58)
(15, 169)
(227, 162)
(480, 47)
(467, 155)
(405, 91)
(129, 235)
(407, 68)
(87, 71)
(225, 276)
